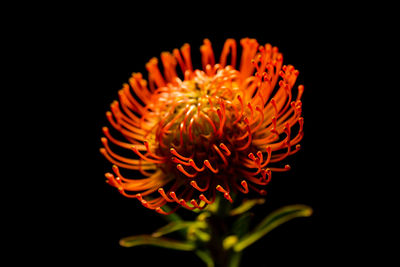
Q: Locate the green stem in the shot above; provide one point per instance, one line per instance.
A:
(235, 258)
(220, 229)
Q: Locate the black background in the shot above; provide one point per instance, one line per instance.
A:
(100, 53)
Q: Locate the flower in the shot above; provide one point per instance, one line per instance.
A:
(219, 130)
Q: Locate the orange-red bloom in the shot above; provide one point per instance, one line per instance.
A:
(213, 131)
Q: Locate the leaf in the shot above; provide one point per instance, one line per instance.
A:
(241, 226)
(202, 217)
(272, 221)
(229, 241)
(246, 205)
(206, 257)
(139, 240)
(200, 235)
(292, 211)
(173, 217)
(177, 226)
(235, 258)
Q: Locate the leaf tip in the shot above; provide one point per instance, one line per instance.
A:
(308, 211)
(230, 241)
(122, 243)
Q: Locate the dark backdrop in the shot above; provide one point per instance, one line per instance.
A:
(105, 51)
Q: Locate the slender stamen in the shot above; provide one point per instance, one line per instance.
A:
(268, 150)
(225, 149)
(195, 185)
(190, 109)
(178, 161)
(183, 203)
(272, 101)
(173, 196)
(175, 153)
(144, 202)
(251, 156)
(255, 164)
(230, 45)
(220, 154)
(251, 111)
(286, 168)
(202, 197)
(134, 149)
(117, 172)
(228, 197)
(241, 105)
(245, 187)
(190, 129)
(245, 146)
(182, 170)
(226, 193)
(116, 156)
(260, 155)
(208, 165)
(146, 144)
(300, 89)
(207, 118)
(254, 129)
(261, 192)
(196, 205)
(264, 174)
(161, 211)
(113, 182)
(193, 164)
(295, 150)
(162, 193)
(106, 131)
(221, 122)
(274, 130)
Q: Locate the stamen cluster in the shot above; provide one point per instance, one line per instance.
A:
(219, 130)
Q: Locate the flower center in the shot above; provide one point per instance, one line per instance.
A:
(200, 121)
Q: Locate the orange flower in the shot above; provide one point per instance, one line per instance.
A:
(217, 129)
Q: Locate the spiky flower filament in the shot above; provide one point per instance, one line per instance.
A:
(217, 130)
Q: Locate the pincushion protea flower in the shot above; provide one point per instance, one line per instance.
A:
(218, 130)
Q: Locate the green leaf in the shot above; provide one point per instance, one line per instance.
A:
(229, 241)
(139, 240)
(173, 217)
(285, 214)
(235, 258)
(241, 226)
(200, 234)
(202, 217)
(272, 221)
(246, 205)
(177, 226)
(206, 257)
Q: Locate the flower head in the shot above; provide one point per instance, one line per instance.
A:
(213, 131)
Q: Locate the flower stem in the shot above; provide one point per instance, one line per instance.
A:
(219, 223)
(235, 259)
